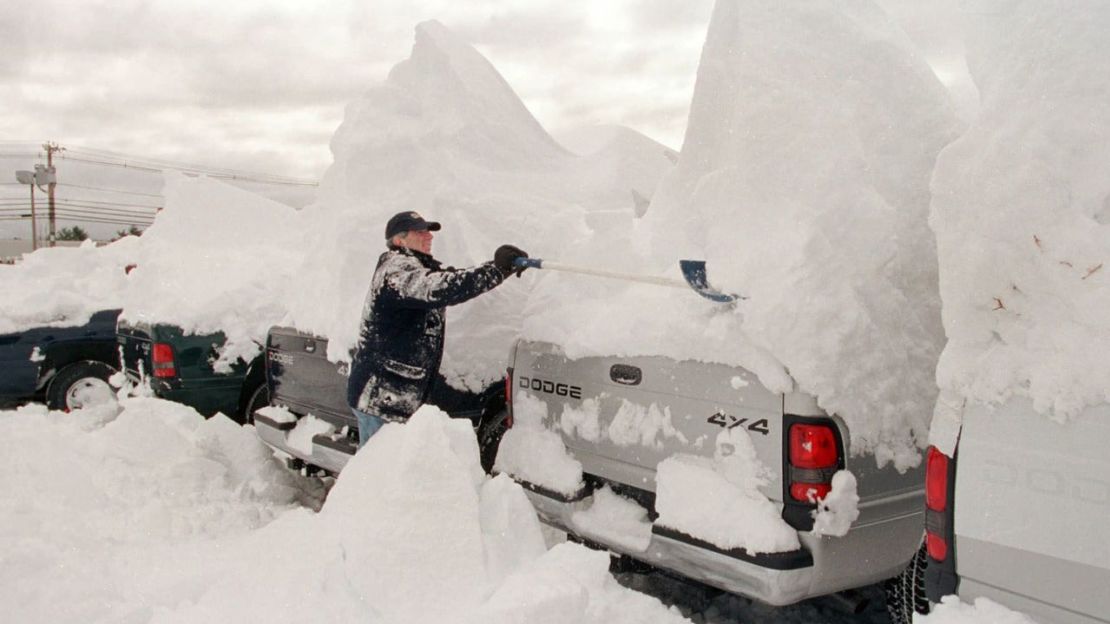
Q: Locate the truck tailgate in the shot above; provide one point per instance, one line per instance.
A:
(303, 379)
(620, 417)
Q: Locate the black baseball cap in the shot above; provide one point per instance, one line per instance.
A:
(408, 221)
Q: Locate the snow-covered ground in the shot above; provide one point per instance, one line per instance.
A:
(146, 512)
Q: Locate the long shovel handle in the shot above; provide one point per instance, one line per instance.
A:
(694, 279)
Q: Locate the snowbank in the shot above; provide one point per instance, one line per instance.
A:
(111, 511)
(1021, 211)
(804, 182)
(148, 512)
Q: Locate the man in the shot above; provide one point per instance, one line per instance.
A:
(396, 367)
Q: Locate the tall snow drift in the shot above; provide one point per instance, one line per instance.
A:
(446, 136)
(1021, 211)
(804, 182)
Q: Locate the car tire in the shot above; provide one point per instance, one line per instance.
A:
(905, 593)
(259, 398)
(71, 387)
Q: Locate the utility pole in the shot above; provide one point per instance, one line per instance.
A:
(52, 181)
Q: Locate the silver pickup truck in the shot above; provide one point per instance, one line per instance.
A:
(620, 418)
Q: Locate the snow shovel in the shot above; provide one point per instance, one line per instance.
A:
(693, 271)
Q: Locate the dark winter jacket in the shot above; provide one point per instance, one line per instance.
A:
(401, 341)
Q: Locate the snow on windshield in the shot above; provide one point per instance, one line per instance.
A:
(1021, 211)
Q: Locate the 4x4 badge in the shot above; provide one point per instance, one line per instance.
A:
(728, 421)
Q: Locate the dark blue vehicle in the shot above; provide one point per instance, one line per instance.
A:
(65, 367)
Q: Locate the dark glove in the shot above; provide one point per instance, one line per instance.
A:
(503, 259)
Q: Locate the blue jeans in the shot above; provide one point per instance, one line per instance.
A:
(368, 425)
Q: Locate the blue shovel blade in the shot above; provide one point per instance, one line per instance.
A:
(694, 273)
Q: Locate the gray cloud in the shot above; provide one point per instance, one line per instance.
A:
(253, 84)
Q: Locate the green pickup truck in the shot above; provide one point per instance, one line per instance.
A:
(180, 367)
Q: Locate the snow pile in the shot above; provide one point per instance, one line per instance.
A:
(446, 136)
(1021, 211)
(614, 519)
(804, 182)
(984, 611)
(147, 512)
(215, 260)
(115, 508)
(718, 500)
(64, 286)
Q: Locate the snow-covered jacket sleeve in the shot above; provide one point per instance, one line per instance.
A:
(406, 283)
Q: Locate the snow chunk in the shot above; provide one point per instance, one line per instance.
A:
(1020, 213)
(615, 520)
(300, 437)
(278, 414)
(582, 419)
(718, 500)
(840, 507)
(637, 424)
(529, 451)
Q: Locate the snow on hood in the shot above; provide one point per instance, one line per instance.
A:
(803, 181)
(1021, 211)
(64, 286)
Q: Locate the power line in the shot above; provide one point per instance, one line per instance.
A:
(100, 188)
(154, 165)
(160, 162)
(96, 201)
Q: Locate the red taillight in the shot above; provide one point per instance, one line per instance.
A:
(936, 480)
(814, 458)
(937, 547)
(509, 398)
(936, 504)
(161, 359)
(812, 446)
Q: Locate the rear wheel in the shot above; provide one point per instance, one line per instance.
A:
(905, 593)
(80, 385)
(259, 397)
(489, 438)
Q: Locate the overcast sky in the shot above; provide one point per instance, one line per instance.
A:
(261, 85)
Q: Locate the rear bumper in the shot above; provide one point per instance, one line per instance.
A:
(327, 453)
(779, 579)
(824, 565)
(207, 396)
